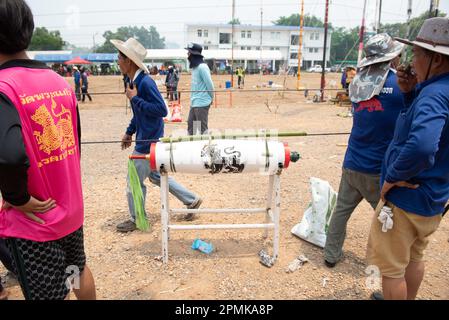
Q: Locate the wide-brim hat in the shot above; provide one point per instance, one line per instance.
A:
(134, 50)
(433, 36)
(380, 48)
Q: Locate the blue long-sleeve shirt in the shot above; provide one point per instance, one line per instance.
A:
(201, 81)
(419, 152)
(149, 109)
(373, 128)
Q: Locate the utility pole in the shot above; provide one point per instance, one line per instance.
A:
(437, 5)
(93, 40)
(301, 30)
(380, 16)
(261, 34)
(323, 74)
(376, 18)
(431, 9)
(362, 33)
(232, 43)
(409, 16)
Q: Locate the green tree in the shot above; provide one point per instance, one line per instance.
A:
(46, 40)
(148, 37)
(344, 45)
(235, 21)
(294, 20)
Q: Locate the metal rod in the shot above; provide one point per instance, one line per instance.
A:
(202, 211)
(222, 226)
(323, 74)
(301, 30)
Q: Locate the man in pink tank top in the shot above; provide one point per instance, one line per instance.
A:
(42, 211)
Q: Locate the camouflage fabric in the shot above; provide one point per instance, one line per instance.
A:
(380, 48)
(368, 82)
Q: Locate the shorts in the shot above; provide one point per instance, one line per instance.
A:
(392, 251)
(44, 269)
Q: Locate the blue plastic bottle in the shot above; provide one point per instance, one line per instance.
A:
(202, 246)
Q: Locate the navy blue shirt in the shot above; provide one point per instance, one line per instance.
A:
(373, 127)
(419, 152)
(149, 110)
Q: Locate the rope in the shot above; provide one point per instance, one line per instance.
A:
(222, 91)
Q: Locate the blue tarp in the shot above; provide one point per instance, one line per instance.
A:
(92, 57)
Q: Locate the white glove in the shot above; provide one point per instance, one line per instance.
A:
(386, 218)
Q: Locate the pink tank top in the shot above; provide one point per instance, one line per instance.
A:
(47, 108)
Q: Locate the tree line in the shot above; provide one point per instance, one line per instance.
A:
(343, 40)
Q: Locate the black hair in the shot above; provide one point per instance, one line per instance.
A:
(16, 26)
(123, 55)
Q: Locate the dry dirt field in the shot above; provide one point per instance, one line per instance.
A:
(127, 266)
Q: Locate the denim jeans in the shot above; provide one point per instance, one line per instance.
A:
(144, 171)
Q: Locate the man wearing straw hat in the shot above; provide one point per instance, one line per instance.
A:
(415, 171)
(147, 123)
(377, 101)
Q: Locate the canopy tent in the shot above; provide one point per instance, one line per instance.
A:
(77, 60)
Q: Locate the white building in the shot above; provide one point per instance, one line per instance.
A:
(274, 38)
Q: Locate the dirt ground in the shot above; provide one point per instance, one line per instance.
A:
(128, 266)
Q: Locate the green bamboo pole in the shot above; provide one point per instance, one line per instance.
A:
(267, 134)
(261, 134)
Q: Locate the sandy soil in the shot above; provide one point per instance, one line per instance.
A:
(127, 266)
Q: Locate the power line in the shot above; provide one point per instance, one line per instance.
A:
(198, 7)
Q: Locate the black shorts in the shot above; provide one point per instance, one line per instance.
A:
(45, 269)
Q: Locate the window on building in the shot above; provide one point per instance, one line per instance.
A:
(242, 48)
(317, 36)
(225, 38)
(248, 48)
(243, 35)
(272, 48)
(310, 50)
(315, 50)
(273, 35)
(278, 35)
(200, 33)
(294, 41)
(294, 55)
(206, 33)
(206, 47)
(258, 48)
(248, 34)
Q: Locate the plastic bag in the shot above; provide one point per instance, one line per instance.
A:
(315, 222)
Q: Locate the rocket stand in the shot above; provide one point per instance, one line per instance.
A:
(272, 214)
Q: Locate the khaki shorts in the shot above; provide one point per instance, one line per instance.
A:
(392, 251)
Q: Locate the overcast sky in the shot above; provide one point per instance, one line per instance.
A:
(80, 21)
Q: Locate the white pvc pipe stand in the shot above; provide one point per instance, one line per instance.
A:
(272, 215)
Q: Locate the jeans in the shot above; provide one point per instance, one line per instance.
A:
(78, 92)
(144, 171)
(85, 92)
(354, 187)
